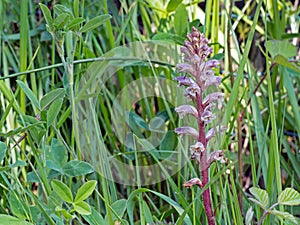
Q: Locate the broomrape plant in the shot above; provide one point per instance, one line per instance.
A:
(201, 76)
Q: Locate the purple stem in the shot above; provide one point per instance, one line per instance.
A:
(204, 163)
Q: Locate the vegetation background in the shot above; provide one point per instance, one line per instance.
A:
(45, 178)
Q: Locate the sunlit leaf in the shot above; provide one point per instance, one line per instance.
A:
(281, 60)
(261, 196)
(284, 215)
(85, 190)
(76, 8)
(82, 208)
(95, 22)
(60, 21)
(181, 20)
(4, 168)
(62, 190)
(7, 219)
(61, 9)
(75, 22)
(63, 212)
(47, 16)
(289, 197)
(249, 216)
(172, 5)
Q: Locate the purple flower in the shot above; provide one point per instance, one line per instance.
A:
(193, 90)
(207, 116)
(216, 96)
(186, 109)
(213, 63)
(217, 155)
(184, 67)
(212, 132)
(186, 131)
(195, 52)
(197, 147)
(213, 80)
(184, 81)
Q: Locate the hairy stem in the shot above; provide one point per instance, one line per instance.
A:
(204, 166)
(206, 199)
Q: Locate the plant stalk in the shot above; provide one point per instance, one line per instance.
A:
(204, 165)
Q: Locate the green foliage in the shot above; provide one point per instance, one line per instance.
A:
(180, 15)
(48, 98)
(75, 168)
(78, 204)
(262, 197)
(6, 219)
(283, 48)
(47, 16)
(82, 208)
(48, 175)
(29, 93)
(85, 190)
(173, 4)
(62, 190)
(2, 150)
(94, 23)
(289, 197)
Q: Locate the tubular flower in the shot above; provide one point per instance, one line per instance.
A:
(184, 81)
(216, 96)
(217, 155)
(212, 132)
(186, 109)
(213, 80)
(186, 131)
(192, 91)
(183, 67)
(199, 147)
(207, 116)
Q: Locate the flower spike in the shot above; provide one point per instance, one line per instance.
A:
(201, 73)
